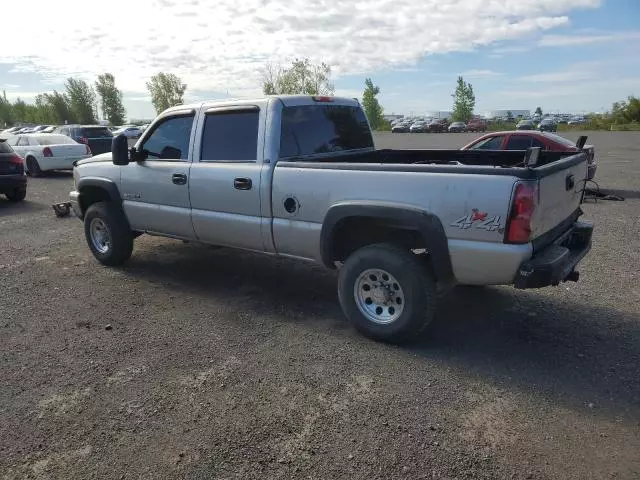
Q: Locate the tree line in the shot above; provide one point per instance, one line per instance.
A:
(81, 102)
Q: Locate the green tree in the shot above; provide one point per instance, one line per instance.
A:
(371, 105)
(167, 90)
(302, 77)
(464, 101)
(61, 107)
(110, 99)
(626, 111)
(19, 110)
(538, 111)
(81, 100)
(6, 110)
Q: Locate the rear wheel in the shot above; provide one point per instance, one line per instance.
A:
(386, 292)
(17, 195)
(108, 234)
(33, 167)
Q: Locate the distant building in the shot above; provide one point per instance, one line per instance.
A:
(444, 115)
(504, 114)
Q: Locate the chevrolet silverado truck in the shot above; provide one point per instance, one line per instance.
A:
(299, 177)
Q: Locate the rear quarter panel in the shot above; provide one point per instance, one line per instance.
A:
(472, 208)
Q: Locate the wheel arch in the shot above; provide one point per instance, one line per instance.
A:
(96, 189)
(407, 225)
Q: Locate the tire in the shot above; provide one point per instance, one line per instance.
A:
(108, 234)
(33, 167)
(17, 195)
(388, 319)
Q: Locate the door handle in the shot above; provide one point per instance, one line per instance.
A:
(242, 183)
(179, 178)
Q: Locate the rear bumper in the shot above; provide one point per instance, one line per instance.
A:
(8, 183)
(556, 263)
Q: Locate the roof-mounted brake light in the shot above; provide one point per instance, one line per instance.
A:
(317, 98)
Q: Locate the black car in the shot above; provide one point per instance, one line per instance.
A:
(547, 125)
(525, 125)
(401, 128)
(436, 126)
(96, 136)
(13, 181)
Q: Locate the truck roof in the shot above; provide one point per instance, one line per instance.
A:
(288, 100)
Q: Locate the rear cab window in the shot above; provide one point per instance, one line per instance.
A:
(94, 132)
(318, 129)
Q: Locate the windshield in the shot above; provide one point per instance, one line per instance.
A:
(311, 129)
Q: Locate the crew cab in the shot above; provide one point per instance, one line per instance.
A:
(299, 177)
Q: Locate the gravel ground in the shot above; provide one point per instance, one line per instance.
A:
(192, 362)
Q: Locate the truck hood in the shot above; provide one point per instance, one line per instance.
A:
(103, 157)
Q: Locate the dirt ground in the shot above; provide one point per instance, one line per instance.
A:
(192, 362)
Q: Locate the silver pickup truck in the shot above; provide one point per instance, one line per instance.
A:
(299, 177)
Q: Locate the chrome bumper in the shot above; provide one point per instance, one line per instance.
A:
(74, 198)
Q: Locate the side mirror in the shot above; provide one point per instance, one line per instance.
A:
(120, 150)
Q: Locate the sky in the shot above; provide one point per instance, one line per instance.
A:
(562, 55)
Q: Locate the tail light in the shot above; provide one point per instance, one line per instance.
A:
(524, 205)
(87, 150)
(16, 160)
(46, 151)
(84, 140)
(16, 164)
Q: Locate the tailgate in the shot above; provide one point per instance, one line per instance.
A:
(560, 189)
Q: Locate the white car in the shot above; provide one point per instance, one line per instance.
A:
(129, 132)
(45, 151)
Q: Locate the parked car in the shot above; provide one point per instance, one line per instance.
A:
(521, 140)
(401, 128)
(418, 127)
(13, 182)
(129, 132)
(46, 151)
(525, 125)
(292, 176)
(436, 126)
(477, 125)
(576, 121)
(97, 137)
(49, 129)
(457, 127)
(547, 125)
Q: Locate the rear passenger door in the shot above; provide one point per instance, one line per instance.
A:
(225, 178)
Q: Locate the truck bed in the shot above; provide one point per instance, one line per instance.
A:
(486, 162)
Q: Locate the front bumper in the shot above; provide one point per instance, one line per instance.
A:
(8, 183)
(556, 263)
(74, 199)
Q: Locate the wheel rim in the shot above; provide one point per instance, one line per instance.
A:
(379, 296)
(100, 235)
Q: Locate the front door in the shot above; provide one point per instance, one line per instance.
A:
(225, 179)
(155, 191)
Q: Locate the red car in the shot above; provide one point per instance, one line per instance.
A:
(523, 139)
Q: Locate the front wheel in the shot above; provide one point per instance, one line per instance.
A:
(386, 292)
(108, 234)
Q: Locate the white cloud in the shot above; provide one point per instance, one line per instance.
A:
(221, 45)
(577, 40)
(479, 73)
